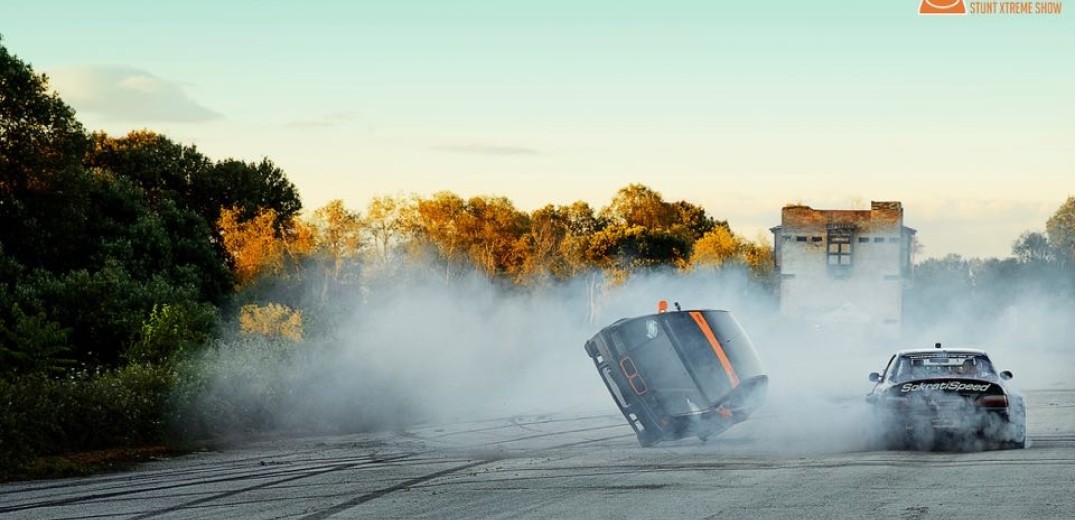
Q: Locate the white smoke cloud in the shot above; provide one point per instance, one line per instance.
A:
(436, 351)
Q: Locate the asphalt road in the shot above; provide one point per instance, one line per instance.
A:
(789, 461)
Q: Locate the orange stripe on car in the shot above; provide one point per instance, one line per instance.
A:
(717, 349)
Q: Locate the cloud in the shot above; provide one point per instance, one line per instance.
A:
(487, 149)
(326, 120)
(121, 93)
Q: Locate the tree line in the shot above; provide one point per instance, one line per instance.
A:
(104, 240)
(312, 260)
(134, 248)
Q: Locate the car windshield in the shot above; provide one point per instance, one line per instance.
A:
(942, 365)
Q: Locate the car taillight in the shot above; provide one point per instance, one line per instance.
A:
(997, 401)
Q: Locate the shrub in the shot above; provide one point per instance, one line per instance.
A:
(85, 410)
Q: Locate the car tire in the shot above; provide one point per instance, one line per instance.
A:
(645, 440)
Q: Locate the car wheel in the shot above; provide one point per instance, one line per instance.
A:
(645, 440)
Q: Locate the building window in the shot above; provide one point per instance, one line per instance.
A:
(800, 239)
(878, 239)
(863, 240)
(839, 255)
(815, 239)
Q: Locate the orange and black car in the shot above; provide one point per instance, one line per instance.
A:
(680, 373)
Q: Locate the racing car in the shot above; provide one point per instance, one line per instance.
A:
(944, 398)
(679, 373)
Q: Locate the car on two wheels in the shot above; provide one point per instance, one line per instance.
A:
(679, 373)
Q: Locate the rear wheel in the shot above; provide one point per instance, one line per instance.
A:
(1013, 445)
(1015, 428)
(646, 440)
(1018, 439)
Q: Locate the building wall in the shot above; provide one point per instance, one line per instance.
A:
(865, 282)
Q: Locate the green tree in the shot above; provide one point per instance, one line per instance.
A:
(41, 142)
(247, 187)
(1061, 231)
(168, 170)
(638, 205)
(41, 177)
(163, 168)
(1032, 247)
(31, 343)
(172, 330)
(622, 249)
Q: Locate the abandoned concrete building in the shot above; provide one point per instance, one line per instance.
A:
(844, 267)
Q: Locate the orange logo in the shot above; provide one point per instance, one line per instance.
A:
(942, 7)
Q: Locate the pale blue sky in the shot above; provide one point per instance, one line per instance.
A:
(739, 107)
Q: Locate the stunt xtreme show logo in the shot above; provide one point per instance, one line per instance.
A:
(1054, 7)
(942, 7)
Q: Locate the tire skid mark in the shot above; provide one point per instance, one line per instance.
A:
(605, 471)
(87, 517)
(549, 434)
(247, 476)
(208, 467)
(127, 481)
(338, 508)
(792, 465)
(307, 472)
(407, 484)
(516, 424)
(226, 494)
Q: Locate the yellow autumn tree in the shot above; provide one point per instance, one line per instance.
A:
(715, 248)
(271, 320)
(339, 237)
(384, 223)
(253, 245)
(299, 242)
(758, 256)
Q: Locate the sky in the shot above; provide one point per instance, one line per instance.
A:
(739, 107)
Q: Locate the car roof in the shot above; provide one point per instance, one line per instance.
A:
(942, 351)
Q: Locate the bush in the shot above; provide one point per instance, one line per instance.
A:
(231, 388)
(82, 411)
